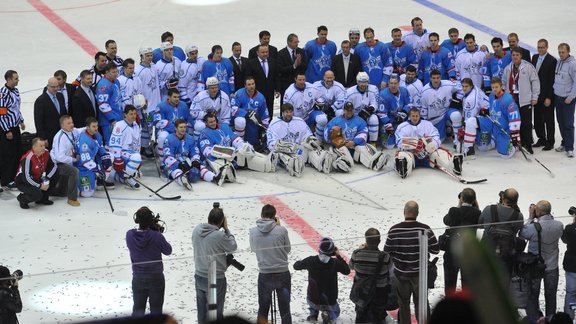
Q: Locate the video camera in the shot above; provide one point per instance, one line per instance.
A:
(230, 260)
(145, 216)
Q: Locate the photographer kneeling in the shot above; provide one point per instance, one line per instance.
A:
(543, 241)
(147, 244)
(10, 302)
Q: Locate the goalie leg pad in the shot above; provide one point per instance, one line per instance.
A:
(259, 162)
(219, 166)
(342, 159)
(404, 163)
(321, 160)
(293, 163)
(444, 158)
(370, 157)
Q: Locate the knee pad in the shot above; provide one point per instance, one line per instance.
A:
(259, 162)
(198, 127)
(162, 135)
(373, 124)
(456, 119)
(321, 120)
(133, 164)
(240, 125)
(404, 163)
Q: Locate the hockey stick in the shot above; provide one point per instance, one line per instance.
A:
(179, 176)
(116, 212)
(455, 176)
(154, 144)
(152, 190)
(357, 192)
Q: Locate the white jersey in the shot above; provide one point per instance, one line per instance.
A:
(63, 146)
(202, 103)
(294, 131)
(125, 140)
(188, 78)
(418, 43)
(150, 86)
(422, 129)
(473, 102)
(435, 101)
(129, 87)
(414, 89)
(333, 96)
(302, 100)
(361, 100)
(166, 71)
(469, 65)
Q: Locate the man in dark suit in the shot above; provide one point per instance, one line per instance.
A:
(264, 37)
(346, 66)
(84, 101)
(544, 123)
(238, 65)
(48, 108)
(513, 41)
(66, 89)
(291, 60)
(264, 70)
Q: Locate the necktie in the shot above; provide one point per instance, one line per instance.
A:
(264, 68)
(239, 63)
(92, 100)
(56, 104)
(539, 63)
(293, 55)
(346, 59)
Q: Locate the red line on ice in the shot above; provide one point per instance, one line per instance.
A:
(65, 27)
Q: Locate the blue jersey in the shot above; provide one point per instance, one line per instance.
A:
(165, 114)
(109, 101)
(178, 52)
(441, 60)
(504, 110)
(90, 149)
(221, 70)
(353, 129)
(223, 135)
(390, 104)
(177, 150)
(320, 59)
(494, 67)
(402, 56)
(242, 104)
(376, 61)
(454, 48)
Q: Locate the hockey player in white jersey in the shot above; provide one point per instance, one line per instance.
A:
(292, 142)
(167, 69)
(125, 148)
(129, 84)
(212, 99)
(418, 144)
(436, 101)
(365, 103)
(332, 92)
(302, 96)
(189, 75)
(146, 73)
(413, 85)
(418, 37)
(473, 102)
(469, 62)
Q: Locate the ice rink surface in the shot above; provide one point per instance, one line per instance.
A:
(77, 258)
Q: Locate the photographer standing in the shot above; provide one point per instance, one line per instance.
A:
(271, 244)
(569, 263)
(10, 302)
(146, 245)
(550, 233)
(209, 242)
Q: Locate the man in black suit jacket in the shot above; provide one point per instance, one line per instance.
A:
(264, 37)
(346, 76)
(48, 108)
(84, 101)
(66, 89)
(239, 63)
(544, 123)
(264, 70)
(513, 41)
(291, 60)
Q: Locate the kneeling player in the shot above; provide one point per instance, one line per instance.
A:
(348, 133)
(499, 127)
(364, 101)
(419, 145)
(94, 159)
(182, 158)
(125, 148)
(220, 146)
(165, 114)
(249, 112)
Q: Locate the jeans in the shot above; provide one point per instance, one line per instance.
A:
(550, 288)
(570, 292)
(565, 117)
(333, 310)
(408, 286)
(202, 297)
(281, 283)
(147, 288)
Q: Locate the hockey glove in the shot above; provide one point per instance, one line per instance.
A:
(461, 134)
(119, 165)
(515, 138)
(366, 112)
(484, 112)
(172, 83)
(329, 111)
(400, 117)
(184, 166)
(252, 116)
(336, 137)
(106, 161)
(389, 128)
(196, 164)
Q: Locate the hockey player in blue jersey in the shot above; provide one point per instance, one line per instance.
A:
(499, 127)
(347, 135)
(224, 150)
(365, 103)
(220, 68)
(436, 58)
(418, 144)
(125, 149)
(164, 116)
(319, 52)
(454, 43)
(94, 159)
(401, 53)
(182, 159)
(494, 66)
(375, 59)
(302, 96)
(109, 101)
(250, 113)
(393, 108)
(211, 99)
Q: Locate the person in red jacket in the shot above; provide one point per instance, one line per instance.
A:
(35, 173)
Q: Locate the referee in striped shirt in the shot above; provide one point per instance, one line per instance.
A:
(11, 121)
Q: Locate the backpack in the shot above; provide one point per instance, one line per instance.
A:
(502, 237)
(363, 288)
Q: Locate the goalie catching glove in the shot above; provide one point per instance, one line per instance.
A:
(366, 112)
(336, 137)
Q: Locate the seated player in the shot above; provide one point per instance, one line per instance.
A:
(418, 144)
(212, 99)
(250, 113)
(395, 103)
(182, 158)
(302, 96)
(330, 94)
(346, 135)
(499, 126)
(165, 114)
(125, 149)
(364, 102)
(473, 102)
